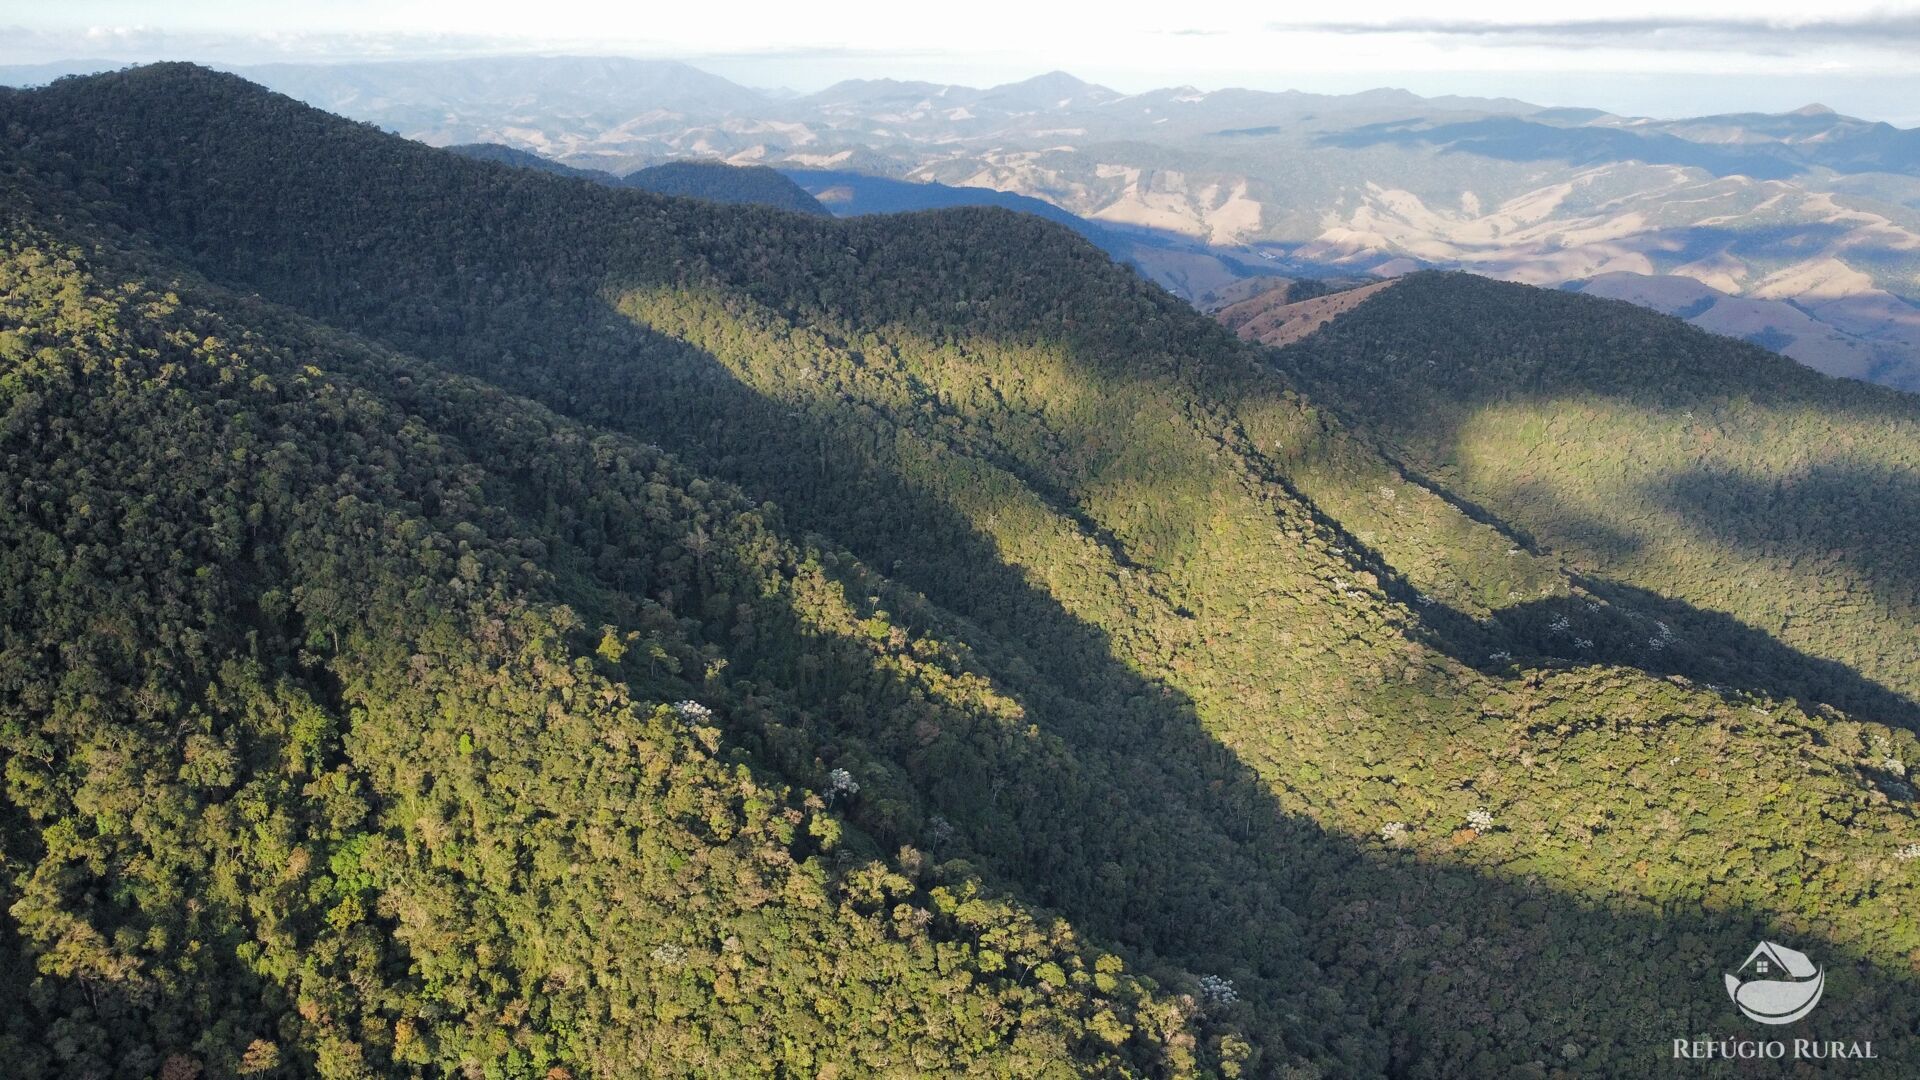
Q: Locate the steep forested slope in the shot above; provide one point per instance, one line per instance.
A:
(1766, 496)
(310, 767)
(1164, 651)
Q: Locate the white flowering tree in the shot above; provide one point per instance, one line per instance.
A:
(692, 711)
(1217, 992)
(841, 785)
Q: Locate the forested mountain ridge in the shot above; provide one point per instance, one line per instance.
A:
(715, 181)
(1805, 224)
(1801, 228)
(724, 183)
(1689, 465)
(1154, 656)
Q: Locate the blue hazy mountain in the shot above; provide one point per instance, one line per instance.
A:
(714, 181)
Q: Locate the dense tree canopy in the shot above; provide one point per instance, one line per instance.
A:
(284, 666)
(717, 181)
(463, 618)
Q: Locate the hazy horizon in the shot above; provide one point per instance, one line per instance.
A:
(1569, 90)
(1646, 61)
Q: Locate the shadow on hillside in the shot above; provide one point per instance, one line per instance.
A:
(1131, 820)
(1589, 531)
(1844, 516)
(1851, 523)
(1636, 628)
(121, 1024)
(1630, 627)
(1512, 138)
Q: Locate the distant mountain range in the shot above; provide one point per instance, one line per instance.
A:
(1181, 265)
(1811, 218)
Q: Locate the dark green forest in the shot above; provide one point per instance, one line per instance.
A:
(461, 620)
(717, 181)
(714, 181)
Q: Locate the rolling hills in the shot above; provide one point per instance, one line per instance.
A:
(500, 620)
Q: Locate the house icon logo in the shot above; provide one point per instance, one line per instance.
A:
(1776, 985)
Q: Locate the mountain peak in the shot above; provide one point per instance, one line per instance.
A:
(1050, 88)
(180, 79)
(1814, 109)
(1052, 80)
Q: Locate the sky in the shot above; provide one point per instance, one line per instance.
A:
(1681, 58)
